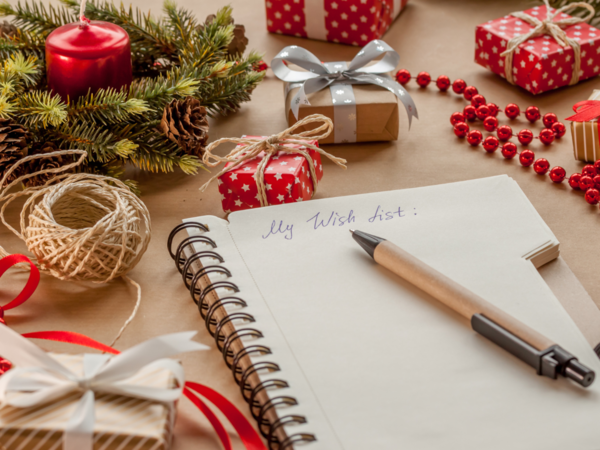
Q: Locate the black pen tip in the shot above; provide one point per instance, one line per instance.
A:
(367, 241)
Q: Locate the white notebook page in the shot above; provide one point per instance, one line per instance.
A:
(376, 363)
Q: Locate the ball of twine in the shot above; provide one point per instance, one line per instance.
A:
(80, 227)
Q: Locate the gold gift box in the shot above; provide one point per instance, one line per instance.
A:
(586, 137)
(122, 422)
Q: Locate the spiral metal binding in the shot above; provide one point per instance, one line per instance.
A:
(224, 342)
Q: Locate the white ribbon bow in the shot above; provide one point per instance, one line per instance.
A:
(38, 379)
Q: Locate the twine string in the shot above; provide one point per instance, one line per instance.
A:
(554, 29)
(250, 148)
(84, 20)
(79, 227)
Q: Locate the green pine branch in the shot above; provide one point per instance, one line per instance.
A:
(107, 106)
(36, 16)
(177, 55)
(41, 109)
(25, 42)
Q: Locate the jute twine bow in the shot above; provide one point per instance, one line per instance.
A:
(79, 227)
(554, 29)
(251, 148)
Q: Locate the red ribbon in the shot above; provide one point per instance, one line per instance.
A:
(585, 111)
(245, 430)
(32, 283)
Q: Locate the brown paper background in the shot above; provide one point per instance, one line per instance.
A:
(432, 35)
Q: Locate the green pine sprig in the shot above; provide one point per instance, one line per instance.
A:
(174, 56)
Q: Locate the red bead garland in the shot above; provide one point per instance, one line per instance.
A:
(474, 137)
(525, 136)
(558, 174)
(526, 158)
(589, 170)
(490, 123)
(533, 114)
(592, 196)
(509, 150)
(423, 79)
(549, 120)
(470, 92)
(512, 111)
(588, 181)
(459, 86)
(457, 117)
(541, 166)
(574, 181)
(403, 76)
(490, 144)
(461, 129)
(443, 83)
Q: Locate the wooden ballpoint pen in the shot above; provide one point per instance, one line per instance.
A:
(548, 358)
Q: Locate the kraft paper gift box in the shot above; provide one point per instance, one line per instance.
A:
(586, 137)
(122, 422)
(377, 115)
(358, 96)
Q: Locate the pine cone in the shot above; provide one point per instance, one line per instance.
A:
(239, 42)
(37, 165)
(14, 139)
(186, 122)
(7, 29)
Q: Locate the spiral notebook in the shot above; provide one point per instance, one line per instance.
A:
(332, 351)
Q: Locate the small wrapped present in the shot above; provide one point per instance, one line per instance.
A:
(540, 48)
(271, 170)
(91, 401)
(354, 22)
(359, 97)
(585, 128)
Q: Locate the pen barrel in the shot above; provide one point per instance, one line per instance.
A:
(452, 294)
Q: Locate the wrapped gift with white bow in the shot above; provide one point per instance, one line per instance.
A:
(91, 401)
(359, 97)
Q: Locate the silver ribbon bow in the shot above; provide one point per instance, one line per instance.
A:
(39, 379)
(340, 77)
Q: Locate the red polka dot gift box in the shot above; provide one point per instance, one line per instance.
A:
(539, 49)
(287, 179)
(353, 22)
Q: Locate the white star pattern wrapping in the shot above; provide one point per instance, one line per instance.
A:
(541, 63)
(351, 22)
(285, 176)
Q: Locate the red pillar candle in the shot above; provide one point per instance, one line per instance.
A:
(87, 55)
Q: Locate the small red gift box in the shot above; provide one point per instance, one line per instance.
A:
(287, 179)
(540, 63)
(354, 22)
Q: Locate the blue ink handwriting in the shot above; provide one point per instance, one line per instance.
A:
(279, 229)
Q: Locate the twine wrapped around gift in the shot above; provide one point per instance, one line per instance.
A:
(552, 28)
(79, 227)
(249, 148)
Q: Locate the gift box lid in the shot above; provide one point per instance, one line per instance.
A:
(542, 46)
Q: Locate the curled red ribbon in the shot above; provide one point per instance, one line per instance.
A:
(193, 391)
(32, 283)
(585, 111)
